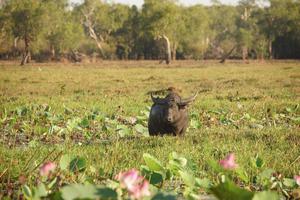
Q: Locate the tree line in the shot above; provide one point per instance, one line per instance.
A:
(47, 30)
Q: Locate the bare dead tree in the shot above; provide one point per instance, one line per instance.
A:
(166, 47)
(26, 54)
(227, 55)
(15, 47)
(90, 26)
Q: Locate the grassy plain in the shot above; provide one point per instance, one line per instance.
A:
(249, 109)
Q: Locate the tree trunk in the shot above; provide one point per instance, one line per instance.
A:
(53, 53)
(270, 49)
(245, 53)
(29, 57)
(15, 48)
(94, 36)
(26, 55)
(168, 49)
(92, 33)
(174, 52)
(262, 57)
(227, 55)
(76, 57)
(16, 42)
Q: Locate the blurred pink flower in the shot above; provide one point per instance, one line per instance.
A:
(46, 168)
(140, 191)
(228, 162)
(297, 179)
(135, 184)
(129, 179)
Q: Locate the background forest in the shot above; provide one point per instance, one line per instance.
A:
(54, 30)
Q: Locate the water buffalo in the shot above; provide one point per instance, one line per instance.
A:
(169, 115)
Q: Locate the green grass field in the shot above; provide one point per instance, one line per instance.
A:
(249, 109)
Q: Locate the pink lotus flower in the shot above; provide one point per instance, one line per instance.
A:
(140, 191)
(297, 179)
(46, 168)
(228, 162)
(129, 179)
(135, 184)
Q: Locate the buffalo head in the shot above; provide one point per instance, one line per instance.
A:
(172, 106)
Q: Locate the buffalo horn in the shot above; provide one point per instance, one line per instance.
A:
(188, 100)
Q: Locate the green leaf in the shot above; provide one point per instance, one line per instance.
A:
(51, 184)
(101, 171)
(187, 178)
(247, 116)
(203, 183)
(174, 166)
(164, 196)
(65, 161)
(289, 110)
(259, 162)
(85, 123)
(193, 196)
(40, 191)
(55, 196)
(141, 129)
(21, 111)
(296, 120)
(78, 191)
(145, 170)
(195, 124)
(106, 193)
(290, 183)
(123, 130)
(156, 178)
(177, 163)
(266, 174)
(175, 158)
(77, 164)
(153, 177)
(266, 195)
(27, 192)
(169, 174)
(73, 124)
(229, 191)
(153, 163)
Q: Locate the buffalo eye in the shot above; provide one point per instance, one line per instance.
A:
(182, 106)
